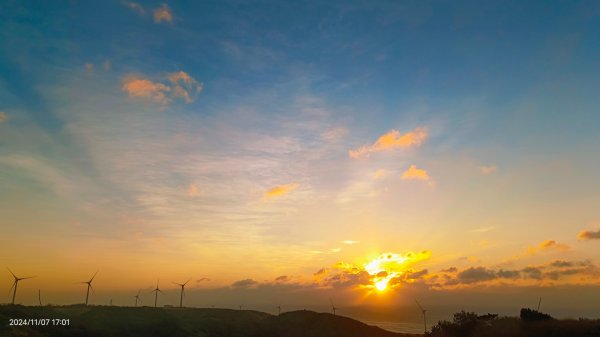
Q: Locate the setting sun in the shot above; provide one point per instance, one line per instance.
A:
(381, 285)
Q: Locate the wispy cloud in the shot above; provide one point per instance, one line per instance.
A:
(487, 169)
(184, 86)
(392, 140)
(163, 13)
(350, 242)
(548, 245)
(89, 68)
(379, 174)
(280, 190)
(589, 235)
(483, 229)
(334, 134)
(414, 173)
(135, 7)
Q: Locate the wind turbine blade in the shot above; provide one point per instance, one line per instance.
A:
(93, 291)
(420, 307)
(94, 276)
(11, 288)
(10, 271)
(186, 282)
(26, 278)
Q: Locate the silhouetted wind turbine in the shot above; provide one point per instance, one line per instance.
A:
(423, 311)
(137, 297)
(279, 309)
(182, 285)
(539, 303)
(40, 296)
(333, 308)
(89, 283)
(16, 283)
(156, 291)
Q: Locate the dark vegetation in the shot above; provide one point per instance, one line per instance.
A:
(95, 321)
(531, 323)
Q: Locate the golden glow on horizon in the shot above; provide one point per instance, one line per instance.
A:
(388, 266)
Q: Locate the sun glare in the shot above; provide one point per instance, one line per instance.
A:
(381, 285)
(388, 266)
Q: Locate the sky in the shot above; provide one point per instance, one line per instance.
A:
(372, 152)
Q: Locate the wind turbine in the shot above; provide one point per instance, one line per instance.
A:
(137, 297)
(423, 311)
(279, 309)
(89, 283)
(156, 291)
(16, 283)
(539, 303)
(333, 308)
(40, 296)
(182, 285)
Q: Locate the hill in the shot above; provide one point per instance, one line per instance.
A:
(96, 321)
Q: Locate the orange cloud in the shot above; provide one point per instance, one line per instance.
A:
(163, 13)
(3, 117)
(413, 173)
(179, 85)
(137, 87)
(193, 190)
(184, 86)
(280, 190)
(547, 246)
(486, 170)
(584, 235)
(391, 140)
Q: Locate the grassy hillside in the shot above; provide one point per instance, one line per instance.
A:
(144, 321)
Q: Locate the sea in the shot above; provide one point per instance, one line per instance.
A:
(409, 319)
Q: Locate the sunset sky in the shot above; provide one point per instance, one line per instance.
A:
(270, 150)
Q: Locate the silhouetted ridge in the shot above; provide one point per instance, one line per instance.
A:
(111, 321)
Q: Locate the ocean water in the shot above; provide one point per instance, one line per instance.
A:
(406, 327)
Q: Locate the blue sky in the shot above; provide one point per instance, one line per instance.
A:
(223, 132)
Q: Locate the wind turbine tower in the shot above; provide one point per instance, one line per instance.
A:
(137, 297)
(333, 308)
(156, 291)
(279, 309)
(15, 284)
(423, 311)
(182, 285)
(89, 286)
